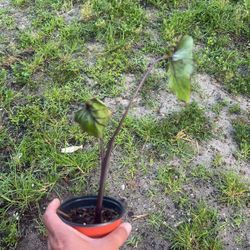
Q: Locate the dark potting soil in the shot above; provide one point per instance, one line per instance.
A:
(86, 216)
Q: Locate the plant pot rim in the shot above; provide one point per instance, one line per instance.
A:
(92, 197)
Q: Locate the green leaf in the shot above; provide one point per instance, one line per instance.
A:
(181, 68)
(93, 117)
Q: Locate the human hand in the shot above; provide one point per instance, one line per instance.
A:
(64, 237)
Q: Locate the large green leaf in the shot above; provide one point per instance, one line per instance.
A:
(93, 117)
(180, 69)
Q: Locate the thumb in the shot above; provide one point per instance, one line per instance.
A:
(55, 225)
(53, 205)
(119, 236)
(50, 218)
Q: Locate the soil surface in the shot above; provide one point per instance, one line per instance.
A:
(86, 216)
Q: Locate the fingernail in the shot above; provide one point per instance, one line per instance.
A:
(56, 200)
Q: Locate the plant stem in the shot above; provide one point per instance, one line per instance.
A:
(98, 210)
(106, 159)
(101, 149)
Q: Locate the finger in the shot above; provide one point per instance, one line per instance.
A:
(120, 235)
(50, 217)
(55, 224)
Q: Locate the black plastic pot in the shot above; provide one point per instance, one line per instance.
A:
(93, 230)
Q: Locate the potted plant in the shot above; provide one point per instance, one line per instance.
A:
(97, 216)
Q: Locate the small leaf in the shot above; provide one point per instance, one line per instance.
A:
(180, 69)
(94, 117)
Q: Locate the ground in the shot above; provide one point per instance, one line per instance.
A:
(182, 169)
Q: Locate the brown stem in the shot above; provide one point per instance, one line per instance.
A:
(106, 158)
(98, 216)
(101, 149)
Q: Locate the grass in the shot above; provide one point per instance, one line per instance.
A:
(156, 220)
(199, 231)
(69, 51)
(218, 107)
(219, 56)
(232, 190)
(171, 180)
(172, 134)
(217, 160)
(133, 241)
(200, 172)
(128, 13)
(234, 109)
(242, 137)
